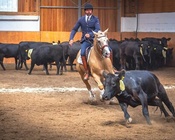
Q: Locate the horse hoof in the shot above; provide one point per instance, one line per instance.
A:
(113, 102)
(93, 101)
(92, 98)
(102, 100)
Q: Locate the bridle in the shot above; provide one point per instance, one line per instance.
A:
(102, 47)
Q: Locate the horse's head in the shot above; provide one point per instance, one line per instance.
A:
(101, 40)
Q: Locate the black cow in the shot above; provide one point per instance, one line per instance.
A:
(132, 39)
(114, 45)
(65, 45)
(158, 50)
(9, 51)
(169, 56)
(25, 45)
(158, 55)
(137, 88)
(162, 41)
(72, 53)
(44, 54)
(66, 48)
(132, 54)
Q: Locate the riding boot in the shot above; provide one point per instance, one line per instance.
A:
(86, 75)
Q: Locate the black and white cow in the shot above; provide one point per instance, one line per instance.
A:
(135, 88)
(45, 54)
(9, 51)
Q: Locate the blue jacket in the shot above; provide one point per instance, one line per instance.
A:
(86, 27)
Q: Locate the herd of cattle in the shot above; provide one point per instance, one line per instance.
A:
(148, 53)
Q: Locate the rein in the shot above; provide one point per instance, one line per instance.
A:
(101, 56)
(103, 47)
(100, 49)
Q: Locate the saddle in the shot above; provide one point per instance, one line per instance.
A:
(88, 49)
(87, 53)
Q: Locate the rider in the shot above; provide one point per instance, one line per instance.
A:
(88, 22)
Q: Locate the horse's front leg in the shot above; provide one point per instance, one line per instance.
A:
(88, 86)
(98, 80)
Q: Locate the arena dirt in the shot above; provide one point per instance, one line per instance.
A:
(57, 107)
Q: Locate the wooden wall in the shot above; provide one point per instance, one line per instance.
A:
(147, 6)
(16, 37)
(56, 23)
(28, 5)
(63, 18)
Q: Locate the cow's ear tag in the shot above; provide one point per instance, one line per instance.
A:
(165, 48)
(30, 53)
(54, 43)
(122, 85)
(26, 50)
(141, 51)
(164, 53)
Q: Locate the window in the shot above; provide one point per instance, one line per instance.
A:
(8, 5)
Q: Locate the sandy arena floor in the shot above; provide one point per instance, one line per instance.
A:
(57, 107)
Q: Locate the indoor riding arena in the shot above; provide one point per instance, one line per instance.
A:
(58, 106)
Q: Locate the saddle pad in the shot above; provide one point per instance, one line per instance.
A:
(80, 60)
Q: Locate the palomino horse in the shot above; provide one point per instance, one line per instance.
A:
(98, 60)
